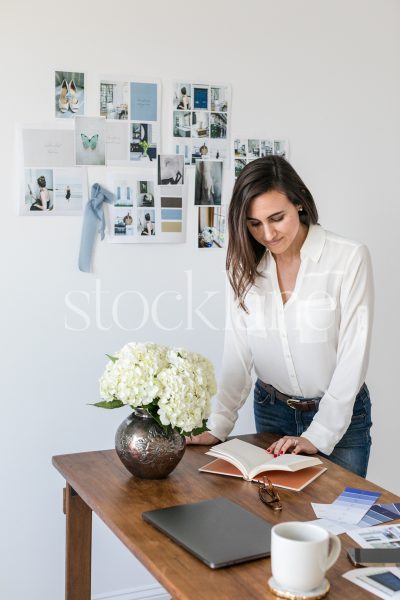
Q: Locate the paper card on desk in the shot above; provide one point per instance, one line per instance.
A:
(382, 536)
(333, 514)
(350, 507)
(335, 526)
(383, 582)
(331, 526)
(377, 514)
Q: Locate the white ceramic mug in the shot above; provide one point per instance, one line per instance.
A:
(300, 555)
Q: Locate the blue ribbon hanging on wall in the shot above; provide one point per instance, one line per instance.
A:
(93, 223)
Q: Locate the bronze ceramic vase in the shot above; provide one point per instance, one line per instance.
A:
(145, 448)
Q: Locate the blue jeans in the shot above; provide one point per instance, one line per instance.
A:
(351, 452)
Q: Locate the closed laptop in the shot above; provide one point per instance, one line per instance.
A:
(218, 532)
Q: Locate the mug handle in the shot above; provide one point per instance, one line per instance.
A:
(335, 550)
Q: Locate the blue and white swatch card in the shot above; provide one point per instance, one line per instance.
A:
(350, 507)
(380, 513)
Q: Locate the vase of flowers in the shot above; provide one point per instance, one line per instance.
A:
(169, 391)
(144, 144)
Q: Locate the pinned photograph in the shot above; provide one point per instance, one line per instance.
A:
(90, 147)
(68, 190)
(182, 123)
(170, 169)
(123, 223)
(69, 94)
(211, 226)
(39, 190)
(123, 193)
(146, 222)
(240, 148)
(239, 165)
(200, 97)
(145, 194)
(218, 150)
(267, 148)
(280, 148)
(142, 147)
(144, 101)
(208, 182)
(184, 149)
(114, 99)
(200, 150)
(200, 124)
(253, 149)
(218, 125)
(182, 96)
(219, 99)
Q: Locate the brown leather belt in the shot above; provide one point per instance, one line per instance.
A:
(311, 404)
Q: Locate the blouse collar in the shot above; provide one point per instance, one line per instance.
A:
(314, 243)
(312, 248)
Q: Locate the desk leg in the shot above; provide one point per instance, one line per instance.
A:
(78, 556)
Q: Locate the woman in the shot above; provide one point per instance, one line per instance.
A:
(148, 228)
(43, 202)
(300, 314)
(184, 102)
(169, 171)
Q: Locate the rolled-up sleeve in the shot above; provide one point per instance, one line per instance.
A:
(356, 304)
(235, 381)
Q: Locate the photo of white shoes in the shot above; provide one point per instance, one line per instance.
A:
(68, 99)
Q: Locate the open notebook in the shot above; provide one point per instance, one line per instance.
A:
(241, 459)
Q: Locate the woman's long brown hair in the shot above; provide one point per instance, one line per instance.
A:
(272, 173)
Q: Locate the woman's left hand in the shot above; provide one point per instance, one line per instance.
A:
(296, 445)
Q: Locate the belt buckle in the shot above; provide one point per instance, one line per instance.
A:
(293, 403)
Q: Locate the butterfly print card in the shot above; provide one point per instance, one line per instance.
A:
(90, 141)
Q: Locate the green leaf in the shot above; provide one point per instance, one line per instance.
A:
(112, 358)
(152, 410)
(104, 404)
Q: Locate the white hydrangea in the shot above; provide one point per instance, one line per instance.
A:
(182, 383)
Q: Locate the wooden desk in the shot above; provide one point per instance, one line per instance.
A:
(97, 481)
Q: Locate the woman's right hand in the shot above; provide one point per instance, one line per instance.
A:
(205, 438)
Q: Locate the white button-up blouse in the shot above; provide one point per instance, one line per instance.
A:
(314, 346)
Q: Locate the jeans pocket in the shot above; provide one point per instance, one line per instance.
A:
(261, 396)
(361, 416)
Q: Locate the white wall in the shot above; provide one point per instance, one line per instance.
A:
(323, 74)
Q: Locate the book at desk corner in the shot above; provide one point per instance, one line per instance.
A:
(241, 459)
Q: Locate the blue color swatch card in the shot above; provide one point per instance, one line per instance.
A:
(350, 507)
(380, 513)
